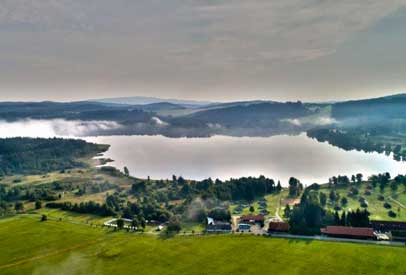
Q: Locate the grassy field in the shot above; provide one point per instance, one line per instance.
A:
(375, 206)
(33, 247)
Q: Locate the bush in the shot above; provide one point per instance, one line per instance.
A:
(38, 204)
(392, 214)
(354, 191)
(344, 201)
(44, 218)
(120, 223)
(367, 193)
(387, 205)
(364, 204)
(174, 224)
(381, 198)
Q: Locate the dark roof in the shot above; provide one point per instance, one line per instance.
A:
(219, 226)
(256, 218)
(348, 231)
(388, 225)
(279, 226)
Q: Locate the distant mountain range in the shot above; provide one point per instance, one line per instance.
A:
(142, 100)
(146, 115)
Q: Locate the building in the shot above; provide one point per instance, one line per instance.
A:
(385, 226)
(396, 230)
(218, 226)
(349, 232)
(253, 219)
(278, 226)
(243, 227)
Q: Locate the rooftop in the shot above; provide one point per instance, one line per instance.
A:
(349, 231)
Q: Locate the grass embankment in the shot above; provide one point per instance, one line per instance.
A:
(33, 247)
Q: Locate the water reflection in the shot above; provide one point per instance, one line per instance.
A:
(278, 157)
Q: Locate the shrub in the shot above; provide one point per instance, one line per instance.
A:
(364, 204)
(354, 191)
(381, 198)
(38, 204)
(387, 205)
(392, 214)
(174, 224)
(44, 218)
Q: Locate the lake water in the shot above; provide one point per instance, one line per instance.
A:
(277, 157)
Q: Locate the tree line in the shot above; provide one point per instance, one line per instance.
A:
(39, 155)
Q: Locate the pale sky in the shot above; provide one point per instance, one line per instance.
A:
(220, 50)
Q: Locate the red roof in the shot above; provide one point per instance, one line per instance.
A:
(279, 226)
(348, 231)
(256, 218)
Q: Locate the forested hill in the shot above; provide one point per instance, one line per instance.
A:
(11, 111)
(34, 156)
(253, 115)
(390, 107)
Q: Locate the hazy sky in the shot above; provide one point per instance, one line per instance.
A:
(202, 49)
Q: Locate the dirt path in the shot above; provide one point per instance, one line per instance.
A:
(277, 210)
(396, 201)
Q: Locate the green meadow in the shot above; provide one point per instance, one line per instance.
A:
(29, 246)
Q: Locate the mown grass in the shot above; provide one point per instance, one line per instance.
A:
(375, 206)
(29, 246)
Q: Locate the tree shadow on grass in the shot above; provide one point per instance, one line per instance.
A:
(166, 235)
(295, 241)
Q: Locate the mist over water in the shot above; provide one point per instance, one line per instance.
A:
(223, 157)
(53, 128)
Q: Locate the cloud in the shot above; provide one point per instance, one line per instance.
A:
(223, 32)
(319, 121)
(54, 128)
(138, 44)
(159, 122)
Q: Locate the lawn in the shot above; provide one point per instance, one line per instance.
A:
(375, 206)
(33, 247)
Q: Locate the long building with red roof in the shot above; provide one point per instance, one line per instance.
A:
(349, 232)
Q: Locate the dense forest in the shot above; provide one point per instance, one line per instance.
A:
(35, 156)
(390, 107)
(368, 139)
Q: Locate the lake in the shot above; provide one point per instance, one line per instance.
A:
(277, 157)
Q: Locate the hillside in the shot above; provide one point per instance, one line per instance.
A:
(33, 156)
(143, 100)
(389, 107)
(12, 111)
(89, 250)
(253, 115)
